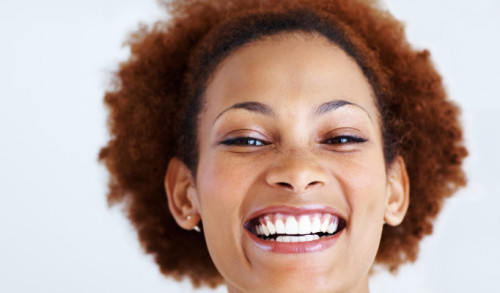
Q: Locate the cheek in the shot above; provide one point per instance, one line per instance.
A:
(366, 188)
(370, 184)
(223, 185)
(364, 179)
(214, 183)
(225, 180)
(221, 192)
(218, 182)
(364, 184)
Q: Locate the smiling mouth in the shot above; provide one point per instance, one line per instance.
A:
(289, 228)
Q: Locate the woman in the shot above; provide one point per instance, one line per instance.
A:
(307, 137)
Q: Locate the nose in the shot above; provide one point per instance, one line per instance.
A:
(296, 173)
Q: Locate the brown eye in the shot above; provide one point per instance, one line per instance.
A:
(244, 141)
(344, 139)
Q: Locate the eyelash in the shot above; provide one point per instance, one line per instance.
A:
(244, 141)
(249, 141)
(345, 139)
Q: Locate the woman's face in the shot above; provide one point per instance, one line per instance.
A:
(291, 184)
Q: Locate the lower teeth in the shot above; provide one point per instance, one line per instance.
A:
(297, 238)
(301, 238)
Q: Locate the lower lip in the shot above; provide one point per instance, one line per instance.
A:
(295, 247)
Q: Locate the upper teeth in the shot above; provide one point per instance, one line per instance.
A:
(291, 225)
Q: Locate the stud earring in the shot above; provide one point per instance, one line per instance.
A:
(196, 227)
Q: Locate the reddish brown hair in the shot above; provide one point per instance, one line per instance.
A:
(158, 95)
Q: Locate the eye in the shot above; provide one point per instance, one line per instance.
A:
(244, 141)
(344, 139)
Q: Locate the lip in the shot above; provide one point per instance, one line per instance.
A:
(293, 247)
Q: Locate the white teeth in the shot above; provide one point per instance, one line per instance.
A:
(333, 226)
(265, 230)
(304, 225)
(291, 226)
(325, 223)
(303, 238)
(270, 225)
(280, 227)
(316, 224)
(311, 237)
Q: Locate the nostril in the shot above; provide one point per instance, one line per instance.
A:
(313, 183)
(286, 185)
(291, 187)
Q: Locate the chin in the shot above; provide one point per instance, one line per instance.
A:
(303, 276)
(306, 283)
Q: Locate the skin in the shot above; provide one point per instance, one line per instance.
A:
(293, 157)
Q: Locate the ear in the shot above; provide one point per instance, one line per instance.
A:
(182, 194)
(398, 193)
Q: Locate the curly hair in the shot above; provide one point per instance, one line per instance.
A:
(158, 94)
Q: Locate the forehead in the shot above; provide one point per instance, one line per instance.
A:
(299, 69)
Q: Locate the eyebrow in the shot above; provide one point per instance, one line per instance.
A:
(334, 105)
(250, 106)
(268, 111)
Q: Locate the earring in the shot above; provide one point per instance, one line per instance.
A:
(196, 227)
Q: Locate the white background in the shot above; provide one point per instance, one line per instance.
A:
(56, 231)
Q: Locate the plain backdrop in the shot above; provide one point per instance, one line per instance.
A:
(57, 233)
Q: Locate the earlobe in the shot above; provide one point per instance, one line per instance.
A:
(398, 193)
(182, 194)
